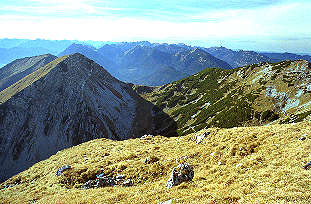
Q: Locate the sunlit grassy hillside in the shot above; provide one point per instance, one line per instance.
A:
(245, 165)
(252, 95)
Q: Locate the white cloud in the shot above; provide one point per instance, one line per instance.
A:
(283, 21)
(267, 21)
(61, 6)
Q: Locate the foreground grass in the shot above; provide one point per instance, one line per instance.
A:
(245, 165)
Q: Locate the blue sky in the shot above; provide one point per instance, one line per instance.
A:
(269, 25)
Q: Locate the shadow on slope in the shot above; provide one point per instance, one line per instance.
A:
(65, 103)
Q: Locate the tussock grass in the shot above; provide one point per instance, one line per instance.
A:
(242, 165)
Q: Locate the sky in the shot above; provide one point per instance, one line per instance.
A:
(261, 25)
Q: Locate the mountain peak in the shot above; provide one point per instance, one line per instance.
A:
(66, 102)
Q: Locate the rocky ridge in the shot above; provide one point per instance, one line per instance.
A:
(69, 101)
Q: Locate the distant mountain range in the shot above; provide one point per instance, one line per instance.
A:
(144, 62)
(10, 54)
(140, 62)
(286, 56)
(237, 58)
(12, 49)
(242, 58)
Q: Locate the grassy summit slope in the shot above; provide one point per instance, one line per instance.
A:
(256, 94)
(245, 164)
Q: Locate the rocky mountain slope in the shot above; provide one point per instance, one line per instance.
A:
(256, 94)
(91, 53)
(18, 69)
(64, 103)
(237, 165)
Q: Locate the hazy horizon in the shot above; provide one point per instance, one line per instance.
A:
(259, 25)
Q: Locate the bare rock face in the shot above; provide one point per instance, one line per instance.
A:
(70, 101)
(181, 173)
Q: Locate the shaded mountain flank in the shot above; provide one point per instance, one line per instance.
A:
(18, 69)
(139, 62)
(257, 94)
(64, 103)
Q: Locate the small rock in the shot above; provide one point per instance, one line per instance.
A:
(120, 176)
(104, 181)
(89, 184)
(168, 202)
(238, 165)
(152, 159)
(7, 186)
(200, 138)
(100, 175)
(62, 169)
(307, 166)
(181, 173)
(302, 138)
(147, 160)
(127, 183)
(146, 137)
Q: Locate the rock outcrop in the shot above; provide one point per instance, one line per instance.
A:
(69, 101)
(181, 173)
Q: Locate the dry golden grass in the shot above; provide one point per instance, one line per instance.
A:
(242, 165)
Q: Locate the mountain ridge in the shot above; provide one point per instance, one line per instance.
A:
(68, 101)
(256, 94)
(132, 62)
(20, 68)
(238, 58)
